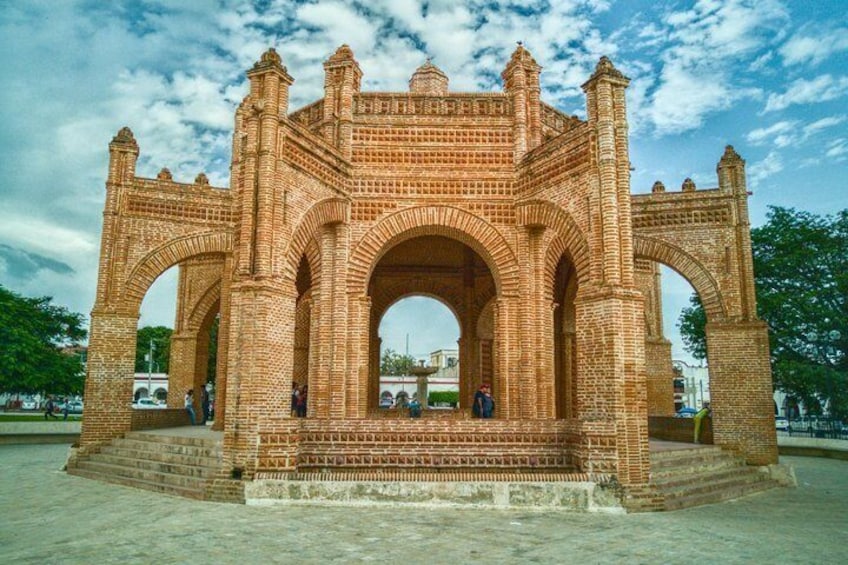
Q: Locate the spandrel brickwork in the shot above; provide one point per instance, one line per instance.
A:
(515, 215)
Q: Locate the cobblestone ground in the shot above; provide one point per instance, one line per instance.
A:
(50, 517)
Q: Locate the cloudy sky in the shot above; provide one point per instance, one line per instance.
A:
(768, 76)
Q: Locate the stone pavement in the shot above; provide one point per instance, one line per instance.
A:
(50, 517)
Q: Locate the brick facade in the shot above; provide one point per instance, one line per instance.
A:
(518, 217)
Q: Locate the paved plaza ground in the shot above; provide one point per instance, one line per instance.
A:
(50, 517)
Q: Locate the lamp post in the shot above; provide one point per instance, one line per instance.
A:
(150, 369)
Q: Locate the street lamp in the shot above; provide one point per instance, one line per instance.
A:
(150, 369)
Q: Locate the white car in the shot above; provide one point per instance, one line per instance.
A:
(29, 405)
(147, 404)
(781, 423)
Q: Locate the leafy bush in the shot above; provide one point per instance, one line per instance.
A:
(443, 396)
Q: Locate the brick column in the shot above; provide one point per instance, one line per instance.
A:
(109, 378)
(741, 389)
(611, 399)
(260, 366)
(223, 346)
(181, 367)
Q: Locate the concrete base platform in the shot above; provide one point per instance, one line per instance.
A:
(564, 496)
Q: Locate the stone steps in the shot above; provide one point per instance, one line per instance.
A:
(176, 465)
(703, 475)
(137, 483)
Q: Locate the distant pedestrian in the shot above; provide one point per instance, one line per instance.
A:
(189, 406)
(302, 397)
(204, 404)
(488, 410)
(48, 409)
(477, 406)
(295, 392)
(65, 409)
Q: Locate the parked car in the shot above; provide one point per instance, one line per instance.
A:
(781, 423)
(686, 413)
(147, 404)
(29, 405)
(75, 407)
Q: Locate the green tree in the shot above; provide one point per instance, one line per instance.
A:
(213, 351)
(35, 337)
(393, 363)
(801, 277)
(160, 336)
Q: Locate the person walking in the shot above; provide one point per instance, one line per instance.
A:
(189, 406)
(48, 409)
(301, 401)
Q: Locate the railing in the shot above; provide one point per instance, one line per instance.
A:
(826, 428)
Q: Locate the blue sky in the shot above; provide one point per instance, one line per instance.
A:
(768, 76)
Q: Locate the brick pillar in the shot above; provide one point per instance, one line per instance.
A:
(507, 358)
(611, 399)
(182, 367)
(741, 389)
(223, 346)
(362, 359)
(109, 377)
(260, 365)
(660, 377)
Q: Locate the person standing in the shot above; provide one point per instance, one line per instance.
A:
(189, 405)
(301, 401)
(488, 409)
(477, 406)
(295, 392)
(204, 404)
(66, 408)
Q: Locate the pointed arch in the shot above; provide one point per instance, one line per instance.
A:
(688, 267)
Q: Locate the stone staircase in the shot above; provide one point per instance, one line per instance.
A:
(704, 475)
(180, 466)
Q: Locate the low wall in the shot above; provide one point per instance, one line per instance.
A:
(12, 433)
(670, 428)
(150, 419)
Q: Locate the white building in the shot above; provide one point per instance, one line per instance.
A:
(143, 383)
(696, 385)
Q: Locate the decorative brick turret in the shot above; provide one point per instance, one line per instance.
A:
(342, 80)
(521, 83)
(428, 79)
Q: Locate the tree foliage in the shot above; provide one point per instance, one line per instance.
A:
(160, 337)
(393, 363)
(801, 278)
(35, 337)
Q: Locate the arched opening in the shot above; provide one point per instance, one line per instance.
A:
(153, 338)
(302, 339)
(677, 379)
(454, 274)
(418, 333)
(565, 352)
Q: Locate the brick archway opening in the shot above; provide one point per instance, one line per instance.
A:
(565, 283)
(430, 311)
(443, 268)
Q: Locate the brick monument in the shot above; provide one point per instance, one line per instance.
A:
(518, 217)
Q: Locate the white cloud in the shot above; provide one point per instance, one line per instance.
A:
(814, 47)
(802, 91)
(761, 136)
(838, 149)
(758, 172)
(705, 43)
(822, 124)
